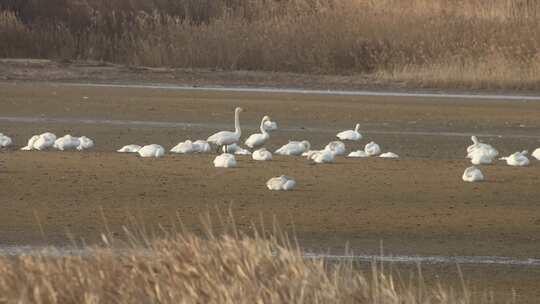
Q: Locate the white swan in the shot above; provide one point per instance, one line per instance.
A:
(294, 148)
(281, 183)
(67, 142)
(152, 150)
(353, 135)
(30, 145)
(225, 138)
(85, 143)
(389, 155)
(184, 147)
(187, 147)
(481, 150)
(201, 146)
(518, 159)
(225, 160)
(321, 157)
(235, 149)
(472, 174)
(129, 149)
(372, 149)
(40, 142)
(536, 154)
(336, 147)
(359, 153)
(480, 157)
(270, 125)
(5, 141)
(261, 154)
(258, 139)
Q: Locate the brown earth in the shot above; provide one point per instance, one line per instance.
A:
(417, 205)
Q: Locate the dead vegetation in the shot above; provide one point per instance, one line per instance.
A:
(458, 43)
(227, 268)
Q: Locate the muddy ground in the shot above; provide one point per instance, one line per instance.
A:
(417, 205)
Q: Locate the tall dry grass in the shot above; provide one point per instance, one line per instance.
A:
(230, 268)
(466, 43)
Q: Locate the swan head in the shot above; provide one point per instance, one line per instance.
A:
(306, 144)
(238, 110)
(266, 118)
(524, 152)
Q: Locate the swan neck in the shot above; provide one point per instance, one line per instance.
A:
(263, 129)
(357, 127)
(237, 123)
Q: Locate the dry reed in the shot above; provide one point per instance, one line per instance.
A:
(231, 268)
(457, 43)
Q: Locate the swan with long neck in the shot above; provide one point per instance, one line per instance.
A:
(225, 138)
(353, 135)
(258, 139)
(479, 149)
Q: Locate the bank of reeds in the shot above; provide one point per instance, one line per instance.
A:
(221, 269)
(454, 43)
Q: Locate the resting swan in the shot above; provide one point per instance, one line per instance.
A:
(472, 174)
(336, 147)
(281, 183)
(518, 159)
(481, 150)
(225, 160)
(258, 139)
(372, 149)
(152, 150)
(389, 155)
(294, 148)
(184, 147)
(224, 138)
(235, 149)
(359, 153)
(67, 142)
(353, 135)
(40, 142)
(129, 149)
(5, 141)
(536, 154)
(261, 154)
(321, 157)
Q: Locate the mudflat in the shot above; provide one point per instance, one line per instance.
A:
(416, 205)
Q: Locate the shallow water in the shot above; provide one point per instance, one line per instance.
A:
(13, 250)
(314, 92)
(211, 126)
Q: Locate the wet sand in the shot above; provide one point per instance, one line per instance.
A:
(417, 205)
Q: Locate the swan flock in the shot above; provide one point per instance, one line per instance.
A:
(479, 153)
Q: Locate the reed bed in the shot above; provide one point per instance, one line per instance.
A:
(442, 43)
(217, 269)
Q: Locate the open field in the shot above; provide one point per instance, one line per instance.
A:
(439, 43)
(417, 205)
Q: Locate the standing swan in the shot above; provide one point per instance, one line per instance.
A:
(224, 138)
(258, 139)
